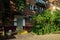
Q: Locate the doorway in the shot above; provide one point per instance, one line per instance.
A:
(20, 22)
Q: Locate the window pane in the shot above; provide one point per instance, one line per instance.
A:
(37, 1)
(15, 23)
(31, 7)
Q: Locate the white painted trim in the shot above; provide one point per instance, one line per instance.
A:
(23, 22)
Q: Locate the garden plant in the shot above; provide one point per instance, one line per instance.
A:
(46, 23)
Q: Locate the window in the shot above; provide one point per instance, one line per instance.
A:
(35, 8)
(23, 22)
(31, 19)
(31, 7)
(36, 1)
(39, 1)
(38, 10)
(15, 21)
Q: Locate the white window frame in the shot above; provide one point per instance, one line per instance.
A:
(15, 21)
(23, 22)
(31, 7)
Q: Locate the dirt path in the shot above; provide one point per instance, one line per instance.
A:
(37, 37)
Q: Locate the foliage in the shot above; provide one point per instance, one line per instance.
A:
(20, 4)
(46, 23)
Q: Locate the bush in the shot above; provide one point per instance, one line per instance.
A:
(46, 23)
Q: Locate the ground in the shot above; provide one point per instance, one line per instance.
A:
(37, 37)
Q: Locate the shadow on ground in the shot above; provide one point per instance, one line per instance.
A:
(7, 37)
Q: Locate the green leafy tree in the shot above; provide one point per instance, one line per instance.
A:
(20, 4)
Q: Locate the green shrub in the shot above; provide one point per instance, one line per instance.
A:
(46, 23)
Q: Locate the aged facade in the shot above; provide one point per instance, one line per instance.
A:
(9, 12)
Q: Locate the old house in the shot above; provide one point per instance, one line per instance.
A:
(11, 15)
(13, 18)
